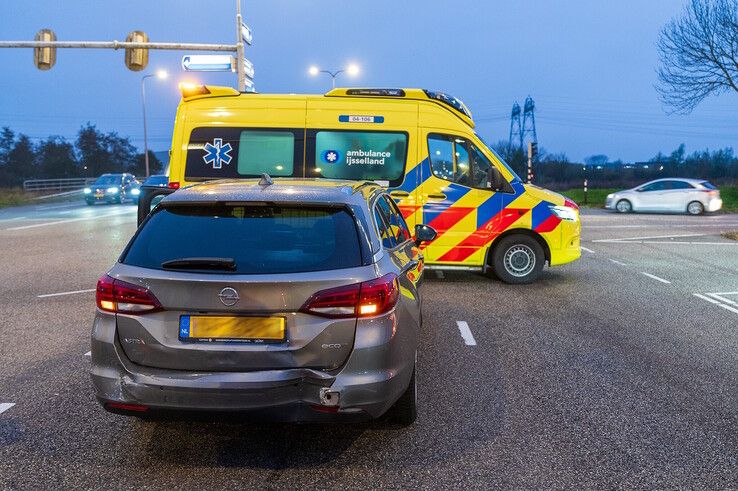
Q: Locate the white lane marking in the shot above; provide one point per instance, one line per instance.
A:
(89, 353)
(46, 295)
(616, 261)
(4, 406)
(625, 239)
(466, 333)
(588, 250)
(656, 278)
(721, 298)
(668, 225)
(713, 301)
(70, 220)
(676, 242)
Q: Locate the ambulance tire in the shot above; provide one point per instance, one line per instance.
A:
(518, 259)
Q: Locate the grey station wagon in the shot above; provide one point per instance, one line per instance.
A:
(298, 299)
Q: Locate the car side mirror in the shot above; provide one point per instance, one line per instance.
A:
(424, 233)
(495, 180)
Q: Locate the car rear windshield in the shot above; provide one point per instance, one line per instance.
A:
(708, 185)
(261, 239)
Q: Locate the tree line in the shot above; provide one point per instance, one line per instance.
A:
(91, 154)
(556, 171)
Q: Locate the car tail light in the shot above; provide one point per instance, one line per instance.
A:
(366, 299)
(570, 204)
(711, 192)
(117, 296)
(173, 185)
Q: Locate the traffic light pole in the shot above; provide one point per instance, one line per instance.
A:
(240, 66)
(119, 45)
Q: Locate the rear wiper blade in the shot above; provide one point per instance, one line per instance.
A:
(224, 263)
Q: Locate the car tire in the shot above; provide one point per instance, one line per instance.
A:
(518, 259)
(405, 410)
(623, 206)
(695, 208)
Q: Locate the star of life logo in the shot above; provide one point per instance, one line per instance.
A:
(331, 156)
(217, 154)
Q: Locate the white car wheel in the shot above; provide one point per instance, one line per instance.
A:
(624, 206)
(695, 208)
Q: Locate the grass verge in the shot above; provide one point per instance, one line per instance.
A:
(730, 235)
(13, 197)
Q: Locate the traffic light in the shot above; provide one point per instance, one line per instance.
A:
(44, 58)
(532, 150)
(137, 58)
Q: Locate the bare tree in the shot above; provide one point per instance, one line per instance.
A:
(699, 54)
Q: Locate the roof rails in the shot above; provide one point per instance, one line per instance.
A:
(448, 101)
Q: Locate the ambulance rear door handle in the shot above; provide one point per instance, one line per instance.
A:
(399, 194)
(437, 196)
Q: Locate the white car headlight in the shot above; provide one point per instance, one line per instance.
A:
(135, 191)
(87, 190)
(610, 196)
(564, 213)
(113, 190)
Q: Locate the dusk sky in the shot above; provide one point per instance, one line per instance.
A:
(589, 65)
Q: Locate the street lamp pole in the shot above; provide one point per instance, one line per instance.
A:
(143, 104)
(162, 75)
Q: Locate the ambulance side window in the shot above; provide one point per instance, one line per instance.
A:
(449, 158)
(481, 168)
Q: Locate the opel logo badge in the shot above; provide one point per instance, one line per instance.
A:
(228, 296)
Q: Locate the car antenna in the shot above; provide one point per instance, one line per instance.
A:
(266, 180)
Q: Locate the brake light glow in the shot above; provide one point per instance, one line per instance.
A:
(366, 299)
(173, 185)
(118, 296)
(139, 408)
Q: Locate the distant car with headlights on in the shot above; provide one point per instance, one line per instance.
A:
(156, 181)
(113, 188)
(671, 195)
(297, 299)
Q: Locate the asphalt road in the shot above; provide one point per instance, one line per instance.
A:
(619, 370)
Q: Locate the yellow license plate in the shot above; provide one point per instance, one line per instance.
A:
(99, 195)
(196, 327)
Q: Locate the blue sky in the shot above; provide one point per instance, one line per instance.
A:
(589, 65)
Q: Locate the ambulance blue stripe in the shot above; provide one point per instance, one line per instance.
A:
(415, 177)
(540, 213)
(453, 193)
(495, 203)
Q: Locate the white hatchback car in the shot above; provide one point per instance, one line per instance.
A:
(676, 195)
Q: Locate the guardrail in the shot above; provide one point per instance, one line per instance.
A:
(67, 184)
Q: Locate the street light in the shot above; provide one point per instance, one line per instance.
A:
(352, 69)
(161, 75)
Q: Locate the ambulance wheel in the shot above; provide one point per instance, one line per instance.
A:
(518, 259)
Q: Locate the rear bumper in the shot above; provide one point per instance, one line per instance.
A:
(714, 204)
(375, 375)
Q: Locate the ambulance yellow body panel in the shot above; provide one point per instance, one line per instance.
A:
(421, 145)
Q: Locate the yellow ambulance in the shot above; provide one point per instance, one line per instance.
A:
(419, 144)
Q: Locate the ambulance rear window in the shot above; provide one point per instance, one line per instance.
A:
(228, 153)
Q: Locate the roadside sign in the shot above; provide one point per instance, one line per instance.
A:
(248, 68)
(246, 34)
(208, 63)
